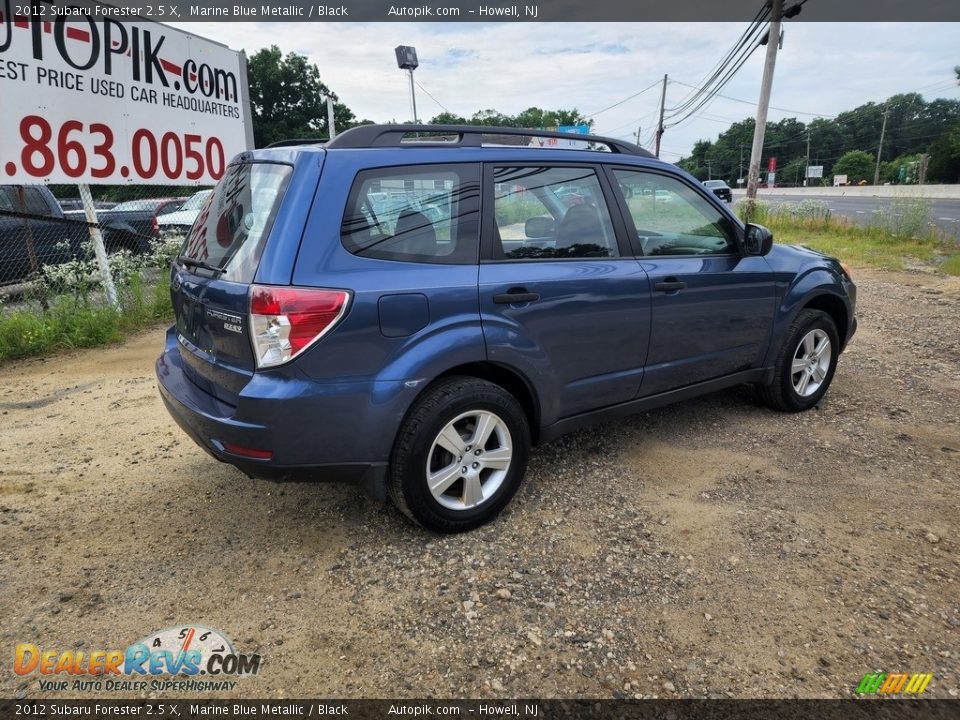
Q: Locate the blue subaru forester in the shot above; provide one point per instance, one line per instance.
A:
(412, 307)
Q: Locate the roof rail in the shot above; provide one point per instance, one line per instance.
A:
(368, 136)
(297, 141)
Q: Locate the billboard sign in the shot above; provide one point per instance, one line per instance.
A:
(815, 171)
(839, 180)
(95, 100)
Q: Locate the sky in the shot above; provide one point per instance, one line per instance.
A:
(823, 69)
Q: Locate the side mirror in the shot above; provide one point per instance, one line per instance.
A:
(757, 240)
(537, 228)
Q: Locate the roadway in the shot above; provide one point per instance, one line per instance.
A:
(944, 213)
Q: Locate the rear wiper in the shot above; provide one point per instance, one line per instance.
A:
(200, 264)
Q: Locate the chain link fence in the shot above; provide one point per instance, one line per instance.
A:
(46, 250)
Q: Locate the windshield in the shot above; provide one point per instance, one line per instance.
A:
(236, 217)
(196, 201)
(137, 205)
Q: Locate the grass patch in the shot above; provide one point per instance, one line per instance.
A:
(900, 234)
(65, 309)
(70, 324)
(951, 266)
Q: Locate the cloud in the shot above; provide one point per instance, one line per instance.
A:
(824, 67)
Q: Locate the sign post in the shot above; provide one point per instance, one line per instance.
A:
(96, 239)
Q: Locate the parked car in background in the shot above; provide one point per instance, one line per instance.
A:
(75, 205)
(321, 334)
(133, 224)
(720, 189)
(40, 236)
(180, 221)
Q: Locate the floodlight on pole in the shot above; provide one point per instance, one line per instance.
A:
(407, 60)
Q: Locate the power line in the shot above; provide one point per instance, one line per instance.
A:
(621, 102)
(726, 68)
(750, 102)
(432, 97)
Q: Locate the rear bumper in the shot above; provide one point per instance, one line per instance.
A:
(314, 432)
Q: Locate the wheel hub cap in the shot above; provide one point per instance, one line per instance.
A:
(811, 363)
(463, 484)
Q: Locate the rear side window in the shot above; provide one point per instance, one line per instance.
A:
(36, 203)
(551, 213)
(425, 213)
(236, 218)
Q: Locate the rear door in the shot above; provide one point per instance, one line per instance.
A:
(712, 306)
(561, 296)
(211, 278)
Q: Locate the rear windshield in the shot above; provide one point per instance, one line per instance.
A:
(236, 218)
(715, 183)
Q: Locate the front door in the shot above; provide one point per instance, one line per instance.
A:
(713, 306)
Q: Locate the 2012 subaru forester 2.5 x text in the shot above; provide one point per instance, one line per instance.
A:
(412, 307)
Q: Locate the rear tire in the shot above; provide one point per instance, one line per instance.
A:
(459, 456)
(805, 363)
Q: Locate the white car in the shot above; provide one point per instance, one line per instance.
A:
(180, 222)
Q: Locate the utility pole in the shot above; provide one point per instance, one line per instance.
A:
(638, 134)
(773, 40)
(663, 102)
(883, 130)
(806, 169)
(740, 176)
(709, 170)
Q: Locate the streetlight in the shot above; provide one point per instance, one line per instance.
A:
(407, 60)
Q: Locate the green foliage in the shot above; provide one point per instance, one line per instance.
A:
(76, 315)
(882, 244)
(906, 217)
(532, 117)
(856, 165)
(287, 98)
(945, 157)
(951, 266)
(911, 123)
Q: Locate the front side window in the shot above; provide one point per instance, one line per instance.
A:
(551, 213)
(414, 214)
(672, 218)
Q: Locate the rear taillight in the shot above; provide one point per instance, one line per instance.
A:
(154, 226)
(284, 321)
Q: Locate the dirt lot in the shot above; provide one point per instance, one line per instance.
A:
(714, 548)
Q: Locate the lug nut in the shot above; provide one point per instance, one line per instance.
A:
(477, 451)
(463, 469)
(476, 465)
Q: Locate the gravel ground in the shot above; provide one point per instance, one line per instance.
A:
(710, 549)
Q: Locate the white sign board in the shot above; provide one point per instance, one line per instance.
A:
(839, 180)
(100, 101)
(814, 171)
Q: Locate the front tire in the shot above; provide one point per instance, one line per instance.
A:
(805, 363)
(460, 455)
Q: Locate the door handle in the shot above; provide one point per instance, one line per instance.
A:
(516, 296)
(670, 285)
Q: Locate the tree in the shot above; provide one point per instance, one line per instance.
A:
(945, 157)
(287, 98)
(857, 165)
(448, 118)
(533, 117)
